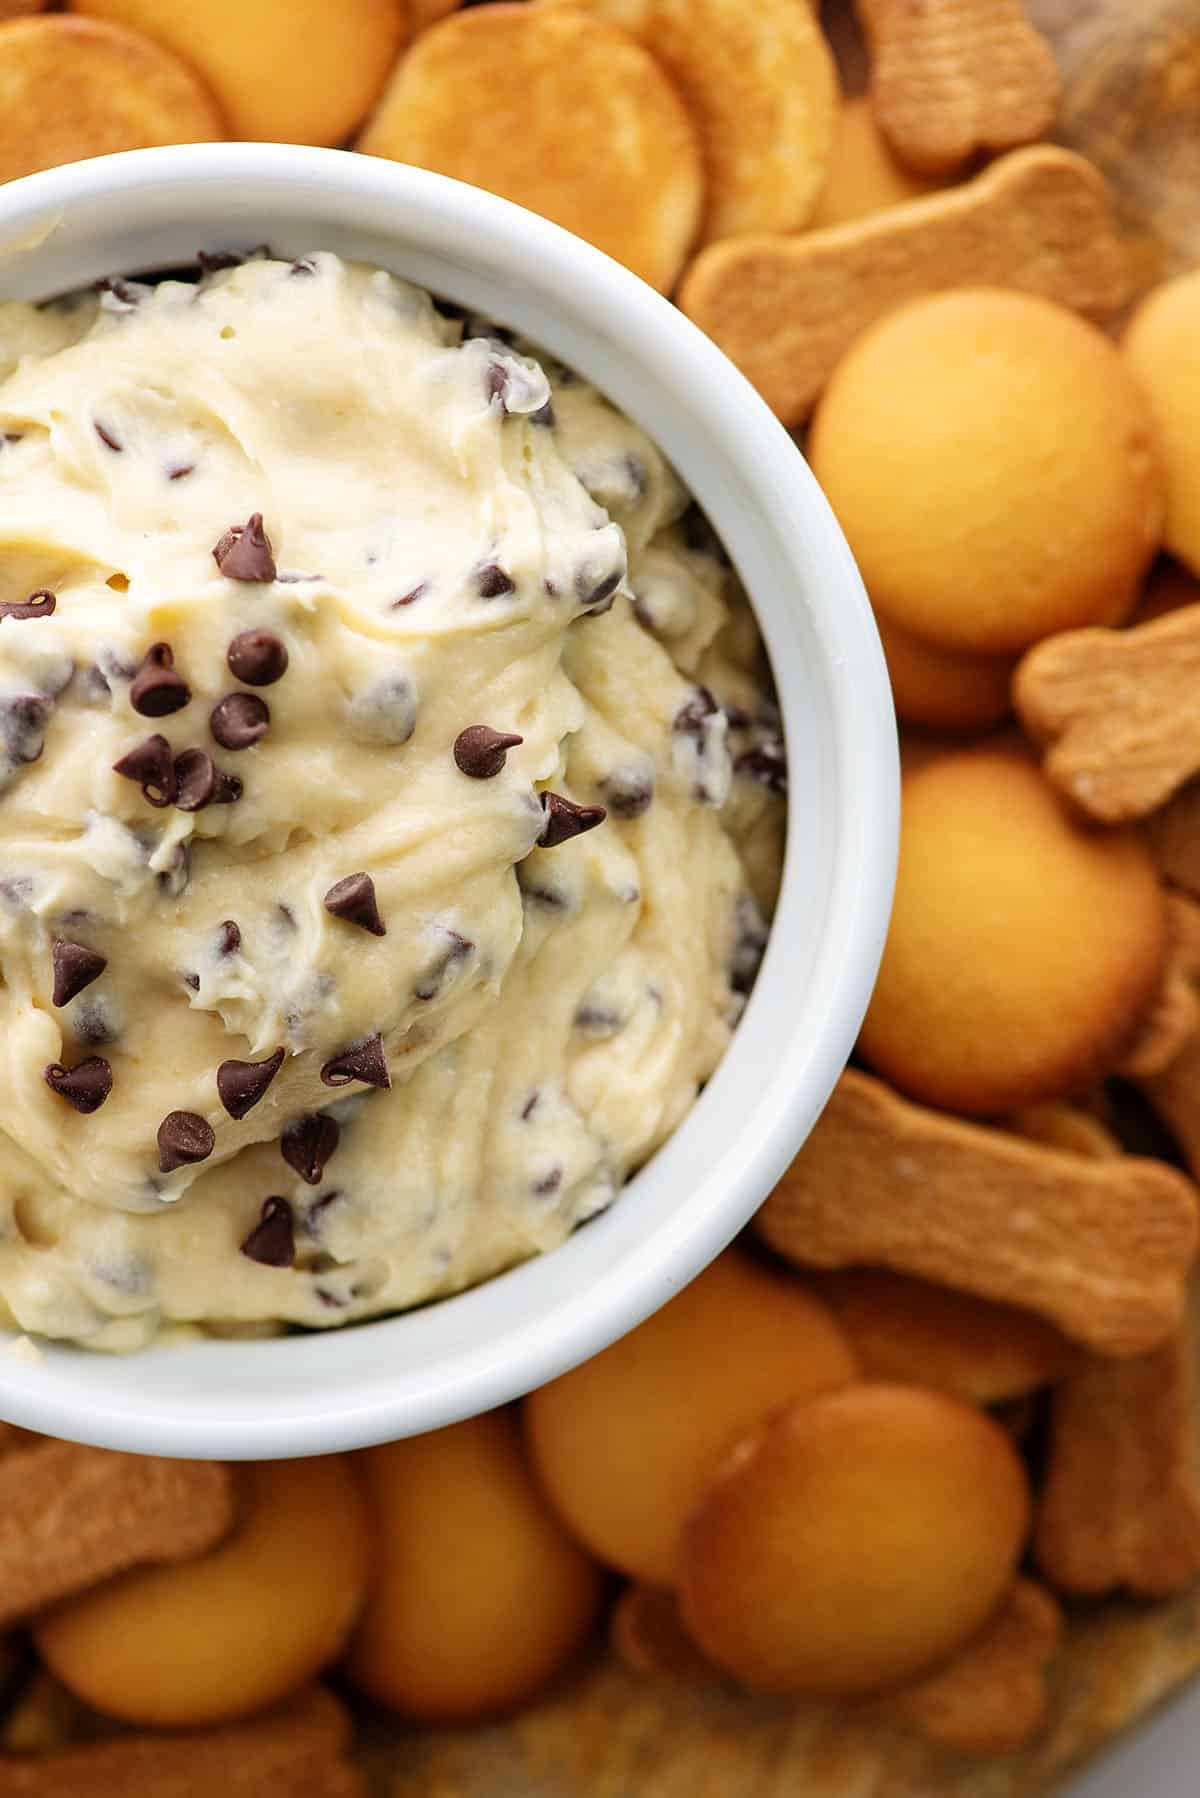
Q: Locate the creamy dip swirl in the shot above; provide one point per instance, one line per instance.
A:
(389, 803)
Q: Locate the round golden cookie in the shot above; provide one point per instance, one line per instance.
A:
(864, 176)
(304, 72)
(479, 1594)
(222, 1636)
(624, 1444)
(1024, 944)
(944, 689)
(854, 1541)
(72, 88)
(761, 86)
(563, 114)
(1162, 344)
(995, 468)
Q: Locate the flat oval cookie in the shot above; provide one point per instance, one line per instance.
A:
(563, 114)
(760, 84)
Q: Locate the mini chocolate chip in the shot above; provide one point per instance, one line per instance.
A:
(210, 262)
(314, 1216)
(258, 658)
(303, 265)
(431, 982)
(492, 581)
(244, 552)
(412, 596)
(128, 292)
(157, 689)
(496, 383)
(74, 968)
(229, 939)
(108, 436)
(353, 898)
(549, 1183)
(628, 791)
(92, 1024)
(691, 720)
(239, 720)
(23, 722)
(273, 1238)
(597, 595)
(481, 751)
(530, 1105)
(176, 879)
(308, 1143)
(183, 1139)
(40, 604)
(241, 1084)
(178, 471)
(544, 416)
(765, 763)
(192, 982)
(564, 819)
(149, 763)
(198, 782)
(363, 1061)
(85, 1086)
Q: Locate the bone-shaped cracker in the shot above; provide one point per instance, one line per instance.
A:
(1121, 1503)
(1116, 712)
(293, 1752)
(992, 1697)
(1058, 1125)
(1174, 1017)
(1174, 1096)
(1173, 834)
(785, 309)
(951, 77)
(1100, 1247)
(73, 1516)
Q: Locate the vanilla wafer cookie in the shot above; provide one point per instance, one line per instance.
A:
(760, 85)
(74, 1516)
(561, 112)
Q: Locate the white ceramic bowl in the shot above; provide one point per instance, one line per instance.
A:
(310, 1394)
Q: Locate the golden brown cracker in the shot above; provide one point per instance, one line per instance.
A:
(1174, 1018)
(786, 308)
(1173, 833)
(1121, 1503)
(992, 1698)
(72, 88)
(923, 1334)
(288, 74)
(562, 113)
(74, 1516)
(1101, 1248)
(293, 1752)
(950, 78)
(1114, 712)
(1057, 1125)
(761, 87)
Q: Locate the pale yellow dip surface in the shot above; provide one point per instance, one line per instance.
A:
(546, 1014)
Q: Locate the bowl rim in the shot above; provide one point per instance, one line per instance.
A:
(33, 1389)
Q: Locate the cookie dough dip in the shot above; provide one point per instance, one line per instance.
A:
(390, 803)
